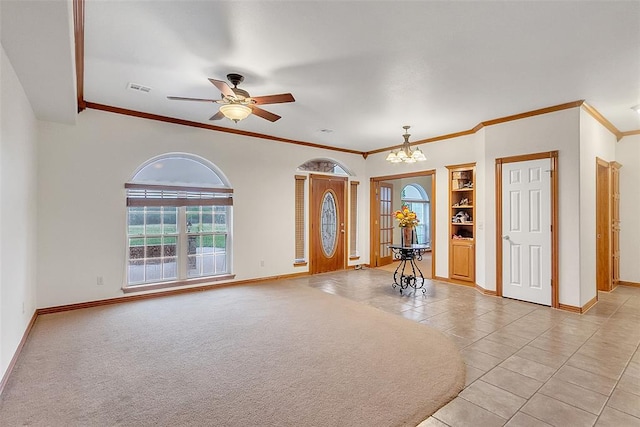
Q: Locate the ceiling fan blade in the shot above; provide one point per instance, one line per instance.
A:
(274, 99)
(180, 98)
(223, 87)
(217, 116)
(264, 113)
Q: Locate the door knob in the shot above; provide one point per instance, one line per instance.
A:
(505, 237)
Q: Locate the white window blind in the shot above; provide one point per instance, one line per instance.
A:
(167, 195)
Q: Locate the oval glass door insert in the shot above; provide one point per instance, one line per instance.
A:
(328, 224)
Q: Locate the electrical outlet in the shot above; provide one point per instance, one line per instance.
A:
(261, 263)
(99, 281)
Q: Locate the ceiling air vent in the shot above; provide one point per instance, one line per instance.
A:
(138, 87)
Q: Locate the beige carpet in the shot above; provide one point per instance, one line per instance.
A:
(265, 355)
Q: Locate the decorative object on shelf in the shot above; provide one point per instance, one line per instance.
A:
(460, 237)
(407, 220)
(462, 202)
(406, 154)
(461, 217)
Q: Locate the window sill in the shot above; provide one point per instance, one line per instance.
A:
(300, 264)
(176, 283)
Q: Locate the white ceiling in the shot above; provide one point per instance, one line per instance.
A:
(38, 39)
(362, 69)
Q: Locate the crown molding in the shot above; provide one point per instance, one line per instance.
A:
(602, 120)
(166, 119)
(630, 133)
(486, 123)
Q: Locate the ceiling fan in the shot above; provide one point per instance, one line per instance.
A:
(237, 104)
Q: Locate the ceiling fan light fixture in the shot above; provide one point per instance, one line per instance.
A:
(235, 112)
(636, 108)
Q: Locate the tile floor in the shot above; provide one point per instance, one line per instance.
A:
(527, 365)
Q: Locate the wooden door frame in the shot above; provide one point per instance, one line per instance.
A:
(344, 201)
(600, 163)
(553, 155)
(378, 193)
(374, 214)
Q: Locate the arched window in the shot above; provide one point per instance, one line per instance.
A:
(178, 217)
(414, 196)
(324, 166)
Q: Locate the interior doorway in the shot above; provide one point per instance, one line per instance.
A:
(387, 197)
(526, 228)
(416, 197)
(607, 224)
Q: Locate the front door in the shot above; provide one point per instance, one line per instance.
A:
(327, 223)
(526, 230)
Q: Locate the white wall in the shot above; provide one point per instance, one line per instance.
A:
(595, 141)
(82, 171)
(549, 132)
(484, 261)
(628, 154)
(18, 134)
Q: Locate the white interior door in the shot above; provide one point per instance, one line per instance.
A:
(526, 231)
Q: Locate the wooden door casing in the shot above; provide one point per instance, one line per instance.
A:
(321, 185)
(374, 207)
(554, 186)
(603, 227)
(386, 223)
(615, 223)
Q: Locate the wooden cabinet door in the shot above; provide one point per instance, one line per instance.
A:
(462, 261)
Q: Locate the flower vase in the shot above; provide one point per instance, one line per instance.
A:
(407, 236)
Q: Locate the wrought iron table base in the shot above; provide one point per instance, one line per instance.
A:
(408, 274)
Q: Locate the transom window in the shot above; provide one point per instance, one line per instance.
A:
(324, 165)
(178, 216)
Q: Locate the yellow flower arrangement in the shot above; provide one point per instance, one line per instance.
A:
(405, 217)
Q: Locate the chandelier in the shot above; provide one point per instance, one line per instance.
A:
(406, 154)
